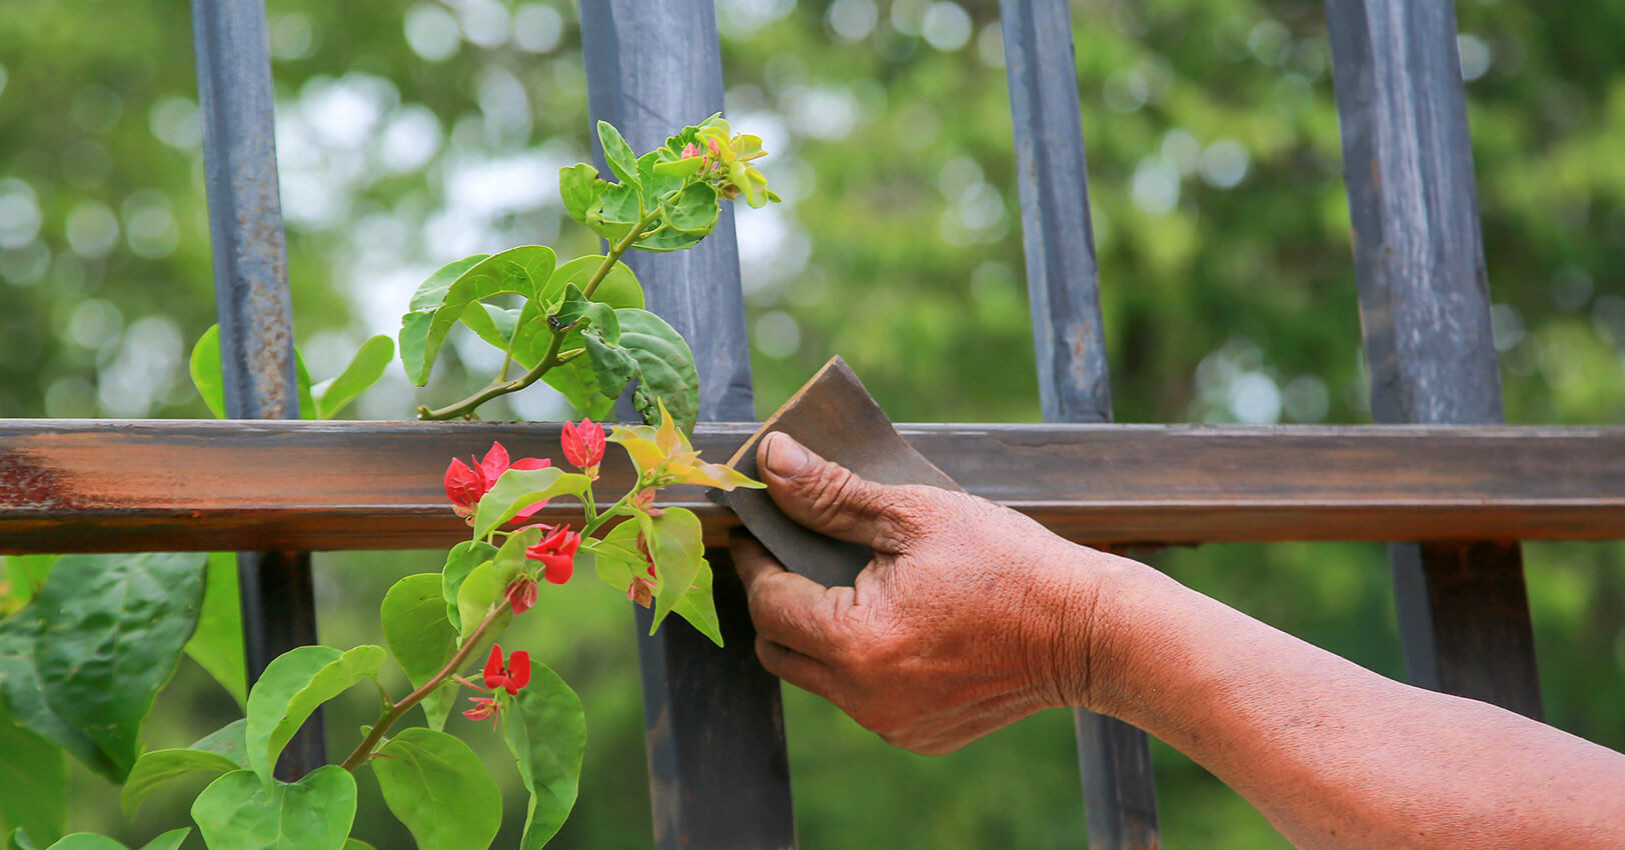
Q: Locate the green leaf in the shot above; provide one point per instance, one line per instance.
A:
(593, 317)
(493, 324)
(439, 789)
(115, 625)
(618, 154)
(613, 367)
(694, 211)
(33, 782)
(365, 368)
(421, 638)
(517, 489)
(487, 586)
(697, 606)
(170, 840)
(432, 292)
(580, 188)
(460, 561)
(307, 401)
(293, 685)
(547, 733)
(615, 556)
(572, 307)
(26, 575)
(222, 751)
(484, 590)
(681, 168)
(678, 546)
(240, 812)
(439, 304)
(24, 695)
(616, 211)
(356, 844)
(87, 841)
(217, 643)
(667, 239)
(665, 368)
(20, 840)
(619, 288)
(230, 740)
(159, 766)
(653, 183)
(205, 367)
(579, 384)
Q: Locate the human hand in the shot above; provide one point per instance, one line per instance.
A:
(970, 617)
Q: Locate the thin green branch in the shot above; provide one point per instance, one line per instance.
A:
(551, 358)
(364, 749)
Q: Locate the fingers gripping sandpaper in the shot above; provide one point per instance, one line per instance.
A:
(837, 418)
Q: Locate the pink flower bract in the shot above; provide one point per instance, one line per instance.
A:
(557, 550)
(583, 445)
(466, 485)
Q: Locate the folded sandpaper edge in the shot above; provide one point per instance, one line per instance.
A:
(833, 415)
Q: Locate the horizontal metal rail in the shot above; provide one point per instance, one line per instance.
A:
(109, 486)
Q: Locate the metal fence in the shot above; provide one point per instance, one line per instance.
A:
(719, 770)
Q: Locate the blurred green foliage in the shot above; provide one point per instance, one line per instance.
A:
(413, 133)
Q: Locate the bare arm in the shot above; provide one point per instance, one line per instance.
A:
(973, 616)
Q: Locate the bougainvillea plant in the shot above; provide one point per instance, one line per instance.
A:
(581, 327)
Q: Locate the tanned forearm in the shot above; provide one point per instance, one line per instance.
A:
(1333, 754)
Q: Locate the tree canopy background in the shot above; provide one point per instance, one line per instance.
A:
(414, 133)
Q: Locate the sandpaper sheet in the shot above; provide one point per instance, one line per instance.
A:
(836, 417)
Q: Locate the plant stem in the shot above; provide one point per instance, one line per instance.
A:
(589, 507)
(364, 749)
(551, 358)
(594, 523)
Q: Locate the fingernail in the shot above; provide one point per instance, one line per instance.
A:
(786, 458)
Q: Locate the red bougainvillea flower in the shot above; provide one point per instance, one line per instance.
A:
(521, 595)
(583, 445)
(557, 550)
(483, 707)
(641, 591)
(466, 485)
(511, 676)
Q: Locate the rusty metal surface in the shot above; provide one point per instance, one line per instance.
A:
(96, 485)
(715, 725)
(1074, 383)
(1063, 277)
(257, 360)
(1425, 318)
(245, 209)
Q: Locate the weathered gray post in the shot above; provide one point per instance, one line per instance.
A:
(1425, 310)
(718, 773)
(256, 314)
(1063, 286)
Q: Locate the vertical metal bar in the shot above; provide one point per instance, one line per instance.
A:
(719, 776)
(256, 317)
(1063, 284)
(1424, 309)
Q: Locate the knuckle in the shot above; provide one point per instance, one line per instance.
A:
(768, 654)
(910, 513)
(835, 491)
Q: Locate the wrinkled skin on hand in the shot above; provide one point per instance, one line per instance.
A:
(969, 617)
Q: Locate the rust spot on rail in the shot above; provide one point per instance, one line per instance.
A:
(26, 484)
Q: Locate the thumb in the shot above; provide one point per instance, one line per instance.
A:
(829, 498)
